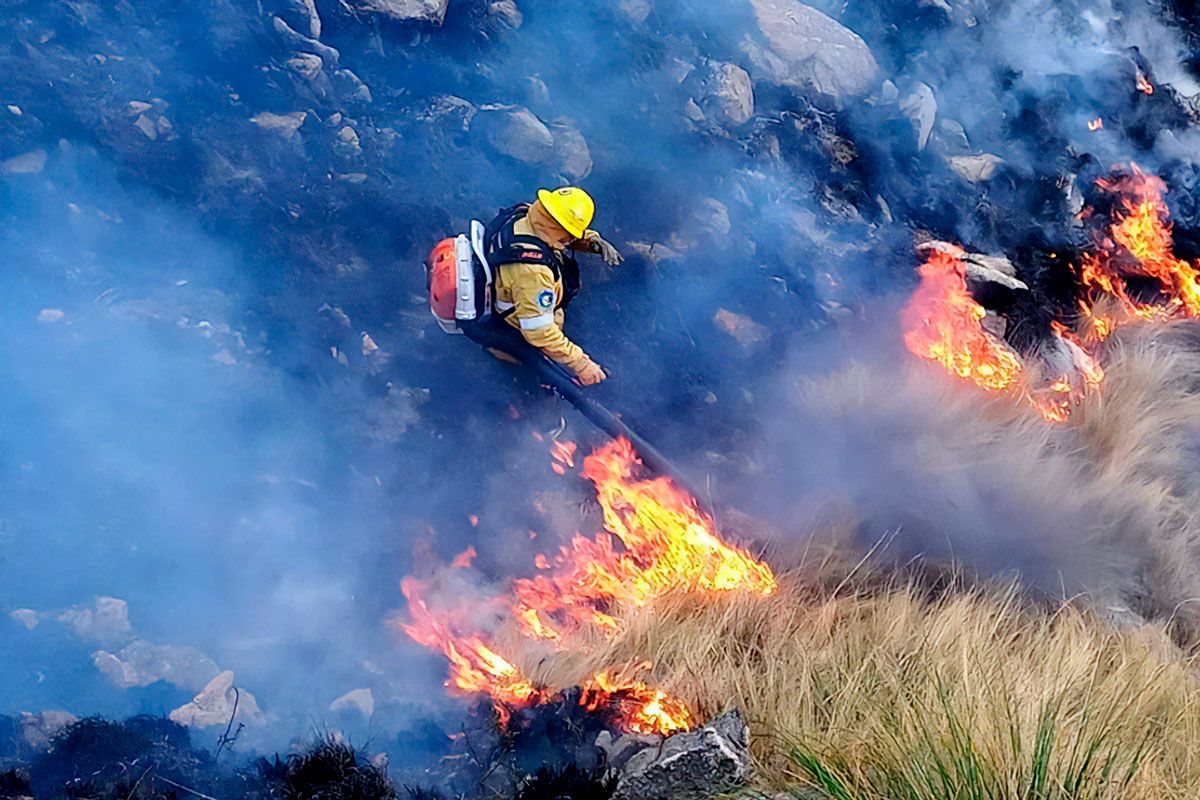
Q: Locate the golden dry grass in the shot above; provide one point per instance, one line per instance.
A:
(969, 693)
(875, 689)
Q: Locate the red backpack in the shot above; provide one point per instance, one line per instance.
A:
(459, 280)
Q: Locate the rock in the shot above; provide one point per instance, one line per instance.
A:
(215, 705)
(953, 135)
(29, 163)
(147, 127)
(432, 12)
(302, 16)
(348, 143)
(27, 617)
(506, 13)
(349, 86)
(306, 65)
(142, 663)
(516, 132)
(572, 157)
(107, 621)
(655, 252)
(618, 751)
(707, 222)
(453, 112)
(695, 765)
(636, 11)
(744, 330)
(920, 106)
(975, 169)
(980, 269)
(360, 700)
(305, 44)
(729, 97)
(285, 125)
(38, 730)
(810, 50)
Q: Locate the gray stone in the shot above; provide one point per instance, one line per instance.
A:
(809, 49)
(141, 663)
(920, 106)
(516, 132)
(980, 269)
(29, 163)
(432, 12)
(506, 13)
(572, 158)
(305, 44)
(360, 700)
(636, 11)
(953, 135)
(39, 729)
(351, 87)
(729, 94)
(695, 765)
(217, 704)
(975, 169)
(306, 65)
(301, 15)
(285, 125)
(107, 621)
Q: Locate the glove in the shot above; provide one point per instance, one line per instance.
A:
(596, 244)
(590, 374)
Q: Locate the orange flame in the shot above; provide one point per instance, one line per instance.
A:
(941, 323)
(1144, 85)
(1096, 124)
(1138, 242)
(656, 540)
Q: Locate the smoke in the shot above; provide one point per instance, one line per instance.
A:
(224, 401)
(156, 450)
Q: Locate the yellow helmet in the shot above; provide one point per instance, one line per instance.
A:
(571, 207)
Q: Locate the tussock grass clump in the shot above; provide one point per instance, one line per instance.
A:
(897, 691)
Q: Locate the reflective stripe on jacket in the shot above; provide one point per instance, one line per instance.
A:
(533, 294)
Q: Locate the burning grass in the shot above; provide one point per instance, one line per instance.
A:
(894, 690)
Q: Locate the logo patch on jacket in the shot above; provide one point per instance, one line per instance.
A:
(545, 298)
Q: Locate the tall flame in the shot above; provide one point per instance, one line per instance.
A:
(1138, 242)
(656, 540)
(942, 323)
(942, 320)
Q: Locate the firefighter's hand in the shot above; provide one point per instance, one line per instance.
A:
(590, 374)
(596, 243)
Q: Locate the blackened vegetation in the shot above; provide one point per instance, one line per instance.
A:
(544, 753)
(332, 770)
(573, 781)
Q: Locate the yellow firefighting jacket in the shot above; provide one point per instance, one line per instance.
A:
(533, 294)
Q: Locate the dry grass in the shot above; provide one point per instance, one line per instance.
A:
(894, 693)
(871, 690)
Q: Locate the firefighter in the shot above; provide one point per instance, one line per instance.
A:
(529, 247)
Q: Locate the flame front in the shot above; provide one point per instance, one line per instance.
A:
(942, 323)
(942, 320)
(1138, 243)
(656, 540)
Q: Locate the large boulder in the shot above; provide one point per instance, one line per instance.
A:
(810, 50)
(516, 132)
(696, 765)
(432, 12)
(727, 96)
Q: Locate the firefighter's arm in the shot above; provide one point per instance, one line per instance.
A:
(593, 242)
(534, 299)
